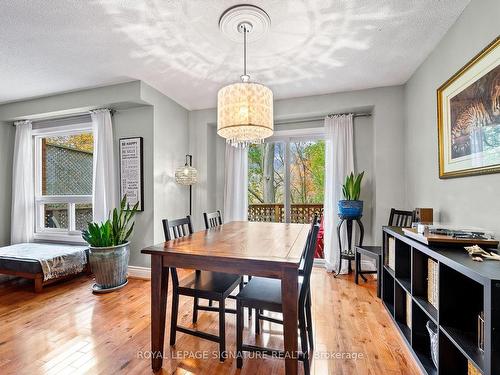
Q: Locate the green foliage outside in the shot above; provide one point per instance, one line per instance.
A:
(81, 142)
(307, 172)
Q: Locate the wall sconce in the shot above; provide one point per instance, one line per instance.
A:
(187, 176)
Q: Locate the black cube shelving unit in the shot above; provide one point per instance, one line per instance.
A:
(466, 289)
(400, 311)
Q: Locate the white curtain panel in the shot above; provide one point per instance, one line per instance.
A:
(105, 186)
(236, 184)
(339, 162)
(23, 195)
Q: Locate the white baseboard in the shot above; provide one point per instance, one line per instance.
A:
(143, 273)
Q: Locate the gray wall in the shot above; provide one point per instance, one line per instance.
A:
(126, 123)
(201, 149)
(141, 111)
(7, 133)
(170, 146)
(378, 149)
(467, 200)
(123, 95)
(364, 161)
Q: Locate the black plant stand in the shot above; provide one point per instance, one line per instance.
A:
(349, 254)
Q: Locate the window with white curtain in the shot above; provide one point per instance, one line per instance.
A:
(286, 177)
(63, 179)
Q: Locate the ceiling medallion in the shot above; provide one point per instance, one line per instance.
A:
(244, 109)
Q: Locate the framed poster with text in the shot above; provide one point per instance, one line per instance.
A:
(131, 171)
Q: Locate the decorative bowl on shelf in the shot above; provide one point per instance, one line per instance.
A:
(434, 338)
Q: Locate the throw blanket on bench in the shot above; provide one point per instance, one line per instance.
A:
(57, 260)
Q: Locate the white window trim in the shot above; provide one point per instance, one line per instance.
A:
(309, 134)
(56, 234)
(63, 129)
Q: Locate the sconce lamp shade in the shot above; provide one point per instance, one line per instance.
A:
(186, 175)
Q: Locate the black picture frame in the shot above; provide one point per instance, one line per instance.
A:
(139, 190)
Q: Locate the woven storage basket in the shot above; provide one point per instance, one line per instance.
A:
(432, 283)
(408, 310)
(471, 369)
(391, 255)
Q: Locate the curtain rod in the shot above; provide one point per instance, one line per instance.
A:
(69, 116)
(319, 118)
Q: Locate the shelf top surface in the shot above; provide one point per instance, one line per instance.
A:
(453, 256)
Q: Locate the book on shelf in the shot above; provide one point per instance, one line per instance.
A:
(432, 282)
(391, 253)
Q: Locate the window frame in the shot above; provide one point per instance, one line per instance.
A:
(56, 234)
(286, 137)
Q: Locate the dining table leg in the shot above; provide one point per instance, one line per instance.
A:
(289, 297)
(159, 290)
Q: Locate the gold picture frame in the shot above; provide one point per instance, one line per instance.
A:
(468, 109)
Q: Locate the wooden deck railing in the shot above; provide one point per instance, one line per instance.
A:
(300, 212)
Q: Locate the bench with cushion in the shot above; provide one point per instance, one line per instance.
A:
(45, 263)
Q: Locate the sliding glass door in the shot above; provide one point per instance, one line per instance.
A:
(307, 179)
(286, 180)
(266, 182)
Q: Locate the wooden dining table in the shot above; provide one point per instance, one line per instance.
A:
(239, 247)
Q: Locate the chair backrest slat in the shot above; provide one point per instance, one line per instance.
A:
(177, 228)
(212, 219)
(400, 218)
(180, 228)
(312, 239)
(314, 221)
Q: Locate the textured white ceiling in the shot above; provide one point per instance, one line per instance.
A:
(313, 47)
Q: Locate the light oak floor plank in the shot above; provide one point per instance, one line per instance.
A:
(68, 330)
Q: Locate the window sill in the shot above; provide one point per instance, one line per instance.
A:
(60, 237)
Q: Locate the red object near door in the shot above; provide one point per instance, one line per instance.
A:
(319, 252)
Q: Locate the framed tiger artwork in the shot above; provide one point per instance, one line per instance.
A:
(469, 117)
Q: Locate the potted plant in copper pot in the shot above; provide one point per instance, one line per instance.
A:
(109, 249)
(351, 206)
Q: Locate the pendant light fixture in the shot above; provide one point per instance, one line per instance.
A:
(244, 109)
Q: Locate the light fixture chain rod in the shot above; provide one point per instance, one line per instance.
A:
(244, 50)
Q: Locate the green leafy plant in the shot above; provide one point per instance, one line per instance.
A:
(114, 231)
(352, 186)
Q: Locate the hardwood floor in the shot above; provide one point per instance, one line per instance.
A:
(68, 330)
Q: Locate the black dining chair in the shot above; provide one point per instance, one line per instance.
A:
(397, 218)
(200, 285)
(259, 313)
(265, 294)
(400, 218)
(212, 219)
